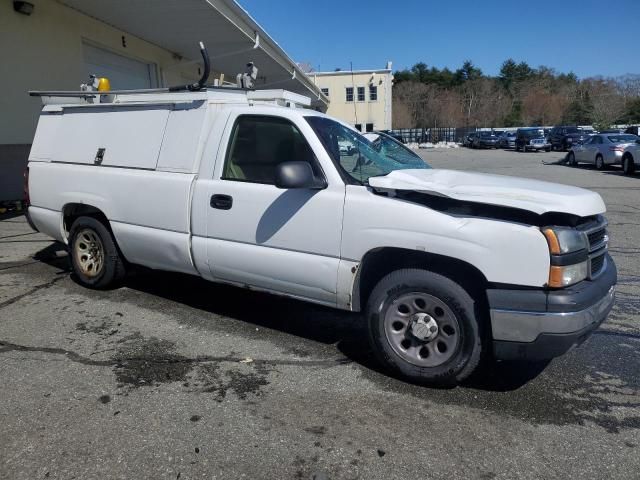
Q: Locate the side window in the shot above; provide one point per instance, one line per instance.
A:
(597, 140)
(259, 143)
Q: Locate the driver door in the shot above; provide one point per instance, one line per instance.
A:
(258, 235)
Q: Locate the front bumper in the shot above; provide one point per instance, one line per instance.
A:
(538, 146)
(542, 324)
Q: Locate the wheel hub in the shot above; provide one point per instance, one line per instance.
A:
(424, 327)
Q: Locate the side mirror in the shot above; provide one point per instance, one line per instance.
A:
(298, 175)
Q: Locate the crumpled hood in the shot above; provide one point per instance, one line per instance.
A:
(532, 195)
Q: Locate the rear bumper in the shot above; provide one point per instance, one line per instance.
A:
(545, 324)
(29, 221)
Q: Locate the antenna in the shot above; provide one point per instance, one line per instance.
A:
(355, 94)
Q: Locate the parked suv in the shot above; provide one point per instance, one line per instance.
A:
(564, 137)
(531, 139)
(229, 185)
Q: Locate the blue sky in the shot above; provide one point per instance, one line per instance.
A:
(588, 37)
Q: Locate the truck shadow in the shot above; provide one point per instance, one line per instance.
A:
(345, 331)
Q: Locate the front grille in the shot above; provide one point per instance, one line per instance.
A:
(597, 264)
(596, 232)
(596, 238)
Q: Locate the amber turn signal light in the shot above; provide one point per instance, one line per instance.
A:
(552, 240)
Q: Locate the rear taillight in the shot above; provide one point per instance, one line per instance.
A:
(616, 149)
(26, 199)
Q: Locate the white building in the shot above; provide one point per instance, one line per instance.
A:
(56, 44)
(361, 98)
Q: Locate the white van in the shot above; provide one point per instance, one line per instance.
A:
(248, 188)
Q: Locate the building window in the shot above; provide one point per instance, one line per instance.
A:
(325, 91)
(369, 127)
(361, 94)
(358, 127)
(373, 93)
(349, 94)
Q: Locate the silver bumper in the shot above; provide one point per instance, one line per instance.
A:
(522, 326)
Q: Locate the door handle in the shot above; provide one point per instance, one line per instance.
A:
(221, 202)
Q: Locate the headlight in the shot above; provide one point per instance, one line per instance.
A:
(569, 139)
(563, 240)
(569, 256)
(567, 275)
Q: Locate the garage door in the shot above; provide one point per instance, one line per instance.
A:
(122, 72)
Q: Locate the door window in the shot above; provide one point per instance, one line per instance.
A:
(259, 143)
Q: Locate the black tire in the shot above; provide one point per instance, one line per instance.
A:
(90, 239)
(548, 149)
(628, 165)
(458, 363)
(571, 159)
(599, 162)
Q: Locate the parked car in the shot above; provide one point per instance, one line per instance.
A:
(531, 138)
(564, 137)
(507, 140)
(589, 131)
(602, 149)
(631, 159)
(467, 140)
(447, 266)
(484, 140)
(634, 130)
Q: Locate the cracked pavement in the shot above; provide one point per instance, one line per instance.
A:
(173, 377)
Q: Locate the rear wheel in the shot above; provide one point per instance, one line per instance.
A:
(95, 258)
(424, 327)
(599, 162)
(571, 159)
(628, 165)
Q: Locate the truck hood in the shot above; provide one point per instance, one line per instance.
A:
(532, 195)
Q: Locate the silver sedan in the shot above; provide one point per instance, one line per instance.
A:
(601, 150)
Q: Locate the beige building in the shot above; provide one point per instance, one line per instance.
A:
(56, 44)
(361, 98)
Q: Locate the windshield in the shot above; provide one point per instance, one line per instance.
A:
(359, 158)
(533, 133)
(622, 138)
(573, 130)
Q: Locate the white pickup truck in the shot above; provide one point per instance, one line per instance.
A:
(247, 188)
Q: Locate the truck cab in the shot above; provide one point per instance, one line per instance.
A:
(253, 189)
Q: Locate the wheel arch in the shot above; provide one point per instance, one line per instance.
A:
(72, 211)
(379, 262)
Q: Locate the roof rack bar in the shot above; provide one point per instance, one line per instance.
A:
(90, 94)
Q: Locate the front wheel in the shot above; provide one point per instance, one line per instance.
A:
(95, 257)
(599, 162)
(628, 165)
(424, 327)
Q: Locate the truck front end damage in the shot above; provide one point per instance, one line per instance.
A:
(530, 322)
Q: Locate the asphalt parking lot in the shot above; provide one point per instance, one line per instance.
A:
(173, 377)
